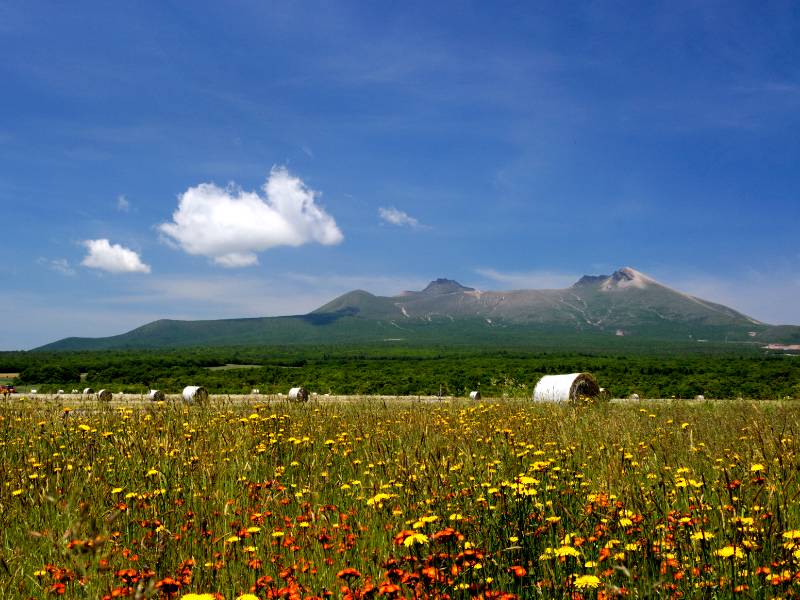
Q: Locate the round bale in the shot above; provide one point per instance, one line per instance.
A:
(474, 395)
(157, 396)
(104, 396)
(298, 394)
(88, 391)
(566, 388)
(195, 393)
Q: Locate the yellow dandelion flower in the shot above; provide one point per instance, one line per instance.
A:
(587, 581)
(730, 551)
(757, 467)
(416, 538)
(567, 551)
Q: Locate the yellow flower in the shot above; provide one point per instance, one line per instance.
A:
(416, 538)
(729, 551)
(247, 597)
(151, 473)
(253, 529)
(84, 427)
(116, 490)
(757, 467)
(277, 534)
(198, 597)
(567, 551)
(232, 539)
(684, 425)
(587, 581)
(16, 492)
(702, 535)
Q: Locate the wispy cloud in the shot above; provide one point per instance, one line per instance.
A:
(396, 217)
(114, 259)
(123, 204)
(62, 266)
(59, 264)
(229, 225)
(534, 280)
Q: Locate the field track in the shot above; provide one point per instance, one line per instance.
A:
(268, 399)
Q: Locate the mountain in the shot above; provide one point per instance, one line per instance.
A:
(626, 303)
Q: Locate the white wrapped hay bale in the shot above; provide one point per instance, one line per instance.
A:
(104, 396)
(88, 391)
(298, 394)
(566, 388)
(75, 392)
(474, 395)
(157, 396)
(34, 392)
(255, 392)
(60, 392)
(195, 393)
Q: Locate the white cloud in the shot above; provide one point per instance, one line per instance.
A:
(114, 259)
(123, 204)
(396, 217)
(62, 266)
(534, 280)
(230, 225)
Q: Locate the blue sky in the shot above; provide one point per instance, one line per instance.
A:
(241, 159)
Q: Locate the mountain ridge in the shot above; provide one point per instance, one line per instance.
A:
(625, 303)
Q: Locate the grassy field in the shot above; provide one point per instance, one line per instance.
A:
(390, 500)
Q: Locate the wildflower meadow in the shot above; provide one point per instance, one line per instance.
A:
(493, 499)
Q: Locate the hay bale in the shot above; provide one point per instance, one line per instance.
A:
(255, 392)
(700, 397)
(474, 395)
(157, 396)
(298, 394)
(88, 391)
(195, 393)
(60, 392)
(104, 396)
(34, 392)
(75, 392)
(633, 397)
(566, 388)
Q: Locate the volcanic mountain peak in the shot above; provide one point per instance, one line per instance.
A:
(438, 288)
(622, 279)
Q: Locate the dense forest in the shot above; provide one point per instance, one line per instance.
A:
(406, 370)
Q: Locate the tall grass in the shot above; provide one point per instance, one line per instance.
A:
(497, 499)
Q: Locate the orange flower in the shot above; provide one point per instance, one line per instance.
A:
(518, 571)
(348, 574)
